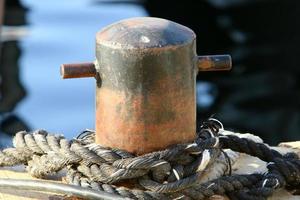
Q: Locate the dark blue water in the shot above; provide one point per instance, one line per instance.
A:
(62, 32)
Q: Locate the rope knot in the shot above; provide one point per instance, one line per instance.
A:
(178, 171)
(208, 136)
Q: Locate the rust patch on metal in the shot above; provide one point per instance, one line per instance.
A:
(214, 63)
(146, 79)
(142, 126)
(78, 70)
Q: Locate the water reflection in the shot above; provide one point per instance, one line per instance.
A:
(58, 32)
(11, 89)
(261, 93)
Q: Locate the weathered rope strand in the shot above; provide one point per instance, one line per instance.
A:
(195, 171)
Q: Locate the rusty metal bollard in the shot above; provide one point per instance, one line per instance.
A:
(146, 72)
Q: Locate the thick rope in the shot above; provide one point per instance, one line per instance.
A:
(195, 171)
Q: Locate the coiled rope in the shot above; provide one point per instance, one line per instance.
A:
(197, 170)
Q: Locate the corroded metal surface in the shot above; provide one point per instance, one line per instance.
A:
(205, 63)
(146, 76)
(214, 63)
(146, 98)
(78, 70)
(144, 33)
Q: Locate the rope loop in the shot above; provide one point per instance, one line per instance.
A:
(195, 170)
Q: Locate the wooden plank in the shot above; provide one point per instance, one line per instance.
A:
(19, 173)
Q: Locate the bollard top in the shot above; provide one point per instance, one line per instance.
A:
(143, 33)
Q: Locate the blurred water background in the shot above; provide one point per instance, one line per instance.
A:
(58, 32)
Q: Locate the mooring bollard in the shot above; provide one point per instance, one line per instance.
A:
(146, 77)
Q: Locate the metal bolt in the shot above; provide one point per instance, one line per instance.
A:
(78, 70)
(205, 63)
